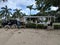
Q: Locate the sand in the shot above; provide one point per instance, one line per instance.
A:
(29, 37)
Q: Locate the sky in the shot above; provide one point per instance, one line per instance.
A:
(21, 4)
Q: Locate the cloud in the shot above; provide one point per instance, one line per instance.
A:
(20, 4)
(54, 8)
(17, 4)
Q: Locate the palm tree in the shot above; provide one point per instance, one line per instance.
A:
(3, 0)
(30, 7)
(17, 13)
(5, 12)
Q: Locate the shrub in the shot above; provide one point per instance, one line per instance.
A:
(41, 26)
(0, 23)
(32, 25)
(56, 26)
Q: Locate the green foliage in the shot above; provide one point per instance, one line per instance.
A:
(30, 7)
(58, 19)
(44, 5)
(56, 26)
(3, 0)
(5, 12)
(0, 23)
(17, 13)
(32, 25)
(41, 26)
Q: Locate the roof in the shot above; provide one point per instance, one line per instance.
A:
(36, 16)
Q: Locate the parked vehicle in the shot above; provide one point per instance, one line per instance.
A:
(10, 23)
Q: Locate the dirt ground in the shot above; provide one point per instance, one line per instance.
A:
(29, 37)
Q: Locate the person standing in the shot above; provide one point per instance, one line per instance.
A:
(49, 25)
